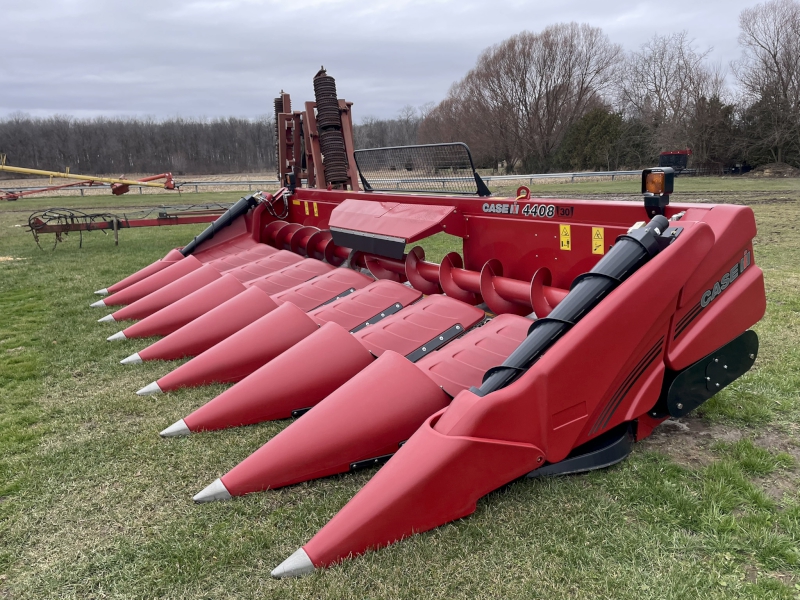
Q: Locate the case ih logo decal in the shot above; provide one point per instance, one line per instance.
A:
(709, 295)
(545, 211)
(726, 280)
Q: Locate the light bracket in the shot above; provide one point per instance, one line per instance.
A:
(657, 185)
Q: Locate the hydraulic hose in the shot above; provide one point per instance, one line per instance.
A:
(234, 212)
(629, 253)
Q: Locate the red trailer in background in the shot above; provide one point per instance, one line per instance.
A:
(677, 160)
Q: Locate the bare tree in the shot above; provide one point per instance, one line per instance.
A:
(379, 133)
(769, 74)
(662, 85)
(525, 92)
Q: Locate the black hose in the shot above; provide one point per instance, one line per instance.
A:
(629, 253)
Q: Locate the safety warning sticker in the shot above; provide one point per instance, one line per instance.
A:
(598, 240)
(565, 234)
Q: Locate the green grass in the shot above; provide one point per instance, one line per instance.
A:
(121, 204)
(632, 186)
(93, 504)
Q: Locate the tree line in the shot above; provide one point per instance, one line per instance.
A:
(563, 99)
(569, 99)
(120, 146)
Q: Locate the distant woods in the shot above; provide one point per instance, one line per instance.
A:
(566, 98)
(192, 146)
(119, 146)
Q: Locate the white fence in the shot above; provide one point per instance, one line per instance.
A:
(267, 183)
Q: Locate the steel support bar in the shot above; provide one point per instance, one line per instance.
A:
(125, 224)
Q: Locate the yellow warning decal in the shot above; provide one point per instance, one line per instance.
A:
(316, 212)
(305, 205)
(296, 202)
(565, 234)
(598, 240)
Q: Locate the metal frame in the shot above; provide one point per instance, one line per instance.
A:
(409, 184)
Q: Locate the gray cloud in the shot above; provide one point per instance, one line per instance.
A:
(209, 58)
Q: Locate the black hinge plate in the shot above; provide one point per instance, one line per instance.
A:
(700, 381)
(437, 342)
(371, 462)
(335, 298)
(396, 307)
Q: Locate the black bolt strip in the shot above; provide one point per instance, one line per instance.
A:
(436, 342)
(396, 307)
(335, 298)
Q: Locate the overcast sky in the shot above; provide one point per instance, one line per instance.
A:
(211, 58)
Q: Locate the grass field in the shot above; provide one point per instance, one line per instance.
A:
(93, 504)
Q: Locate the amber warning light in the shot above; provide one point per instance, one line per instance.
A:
(657, 185)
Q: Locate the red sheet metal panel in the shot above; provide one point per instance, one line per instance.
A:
(311, 294)
(243, 309)
(366, 417)
(302, 375)
(232, 261)
(463, 362)
(238, 237)
(353, 310)
(211, 328)
(154, 282)
(236, 245)
(291, 276)
(418, 324)
(237, 356)
(408, 221)
(172, 257)
(172, 292)
(264, 266)
(171, 318)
